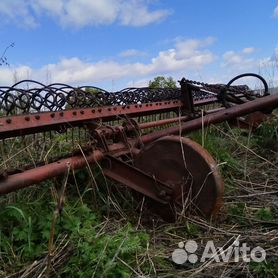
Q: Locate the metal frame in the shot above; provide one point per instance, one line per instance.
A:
(112, 142)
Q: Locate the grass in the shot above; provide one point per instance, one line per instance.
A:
(105, 231)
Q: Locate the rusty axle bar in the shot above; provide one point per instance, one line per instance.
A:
(267, 102)
(58, 168)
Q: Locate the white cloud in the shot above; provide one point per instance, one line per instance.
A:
(239, 60)
(232, 58)
(134, 13)
(80, 13)
(16, 11)
(131, 53)
(248, 50)
(10, 76)
(191, 47)
(185, 56)
(138, 83)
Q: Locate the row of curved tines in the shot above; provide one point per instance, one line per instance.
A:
(29, 96)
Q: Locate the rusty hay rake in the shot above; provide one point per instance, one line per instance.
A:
(135, 134)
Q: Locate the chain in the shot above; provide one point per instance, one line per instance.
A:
(218, 87)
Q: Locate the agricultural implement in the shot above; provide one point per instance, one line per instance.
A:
(134, 134)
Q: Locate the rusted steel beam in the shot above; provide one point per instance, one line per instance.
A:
(174, 120)
(60, 167)
(39, 174)
(32, 123)
(163, 122)
(19, 125)
(267, 102)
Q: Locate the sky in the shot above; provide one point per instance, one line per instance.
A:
(115, 44)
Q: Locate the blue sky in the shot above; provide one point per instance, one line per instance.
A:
(117, 43)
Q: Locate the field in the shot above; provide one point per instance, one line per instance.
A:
(84, 225)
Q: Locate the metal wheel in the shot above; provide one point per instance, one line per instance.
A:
(189, 170)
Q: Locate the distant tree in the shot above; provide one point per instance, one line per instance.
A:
(92, 90)
(162, 82)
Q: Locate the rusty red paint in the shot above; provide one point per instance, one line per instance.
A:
(20, 125)
(267, 102)
(60, 167)
(136, 179)
(189, 170)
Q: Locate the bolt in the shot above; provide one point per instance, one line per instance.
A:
(162, 193)
(8, 121)
(74, 113)
(52, 115)
(27, 118)
(81, 112)
(37, 117)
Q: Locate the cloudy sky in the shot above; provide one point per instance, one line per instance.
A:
(118, 43)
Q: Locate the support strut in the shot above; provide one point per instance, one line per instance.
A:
(136, 179)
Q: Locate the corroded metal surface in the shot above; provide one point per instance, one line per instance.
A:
(125, 131)
(267, 102)
(188, 169)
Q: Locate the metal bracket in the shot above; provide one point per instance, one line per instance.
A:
(187, 98)
(136, 179)
(99, 135)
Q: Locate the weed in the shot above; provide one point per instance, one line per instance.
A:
(265, 214)
(265, 269)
